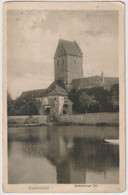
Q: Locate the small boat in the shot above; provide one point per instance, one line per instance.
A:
(112, 141)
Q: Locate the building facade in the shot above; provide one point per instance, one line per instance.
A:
(68, 62)
(68, 74)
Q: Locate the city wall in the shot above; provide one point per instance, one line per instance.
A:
(77, 119)
(27, 120)
(91, 119)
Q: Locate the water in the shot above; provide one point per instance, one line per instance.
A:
(65, 154)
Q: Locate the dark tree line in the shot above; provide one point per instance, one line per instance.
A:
(86, 100)
(22, 106)
(95, 100)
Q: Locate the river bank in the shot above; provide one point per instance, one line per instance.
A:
(88, 119)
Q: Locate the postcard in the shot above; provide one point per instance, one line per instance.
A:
(63, 97)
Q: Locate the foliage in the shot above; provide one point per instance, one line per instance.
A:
(22, 106)
(73, 96)
(85, 101)
(115, 97)
(27, 108)
(10, 104)
(95, 100)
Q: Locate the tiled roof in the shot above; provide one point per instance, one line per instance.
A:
(54, 83)
(87, 82)
(94, 81)
(34, 93)
(58, 91)
(70, 47)
(110, 81)
(56, 88)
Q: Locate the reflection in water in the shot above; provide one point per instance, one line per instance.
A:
(63, 155)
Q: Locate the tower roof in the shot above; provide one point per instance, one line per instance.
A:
(70, 47)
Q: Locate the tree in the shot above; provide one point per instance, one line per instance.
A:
(33, 110)
(27, 108)
(102, 96)
(9, 100)
(114, 99)
(100, 99)
(73, 96)
(10, 104)
(85, 101)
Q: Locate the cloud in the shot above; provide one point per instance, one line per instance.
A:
(16, 85)
(33, 36)
(93, 33)
(39, 18)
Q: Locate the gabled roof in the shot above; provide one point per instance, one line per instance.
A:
(110, 81)
(54, 83)
(56, 88)
(33, 94)
(70, 48)
(88, 82)
(58, 91)
(94, 81)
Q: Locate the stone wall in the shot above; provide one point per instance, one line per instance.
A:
(87, 119)
(68, 67)
(74, 68)
(39, 119)
(60, 67)
(91, 118)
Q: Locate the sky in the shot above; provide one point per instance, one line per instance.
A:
(33, 35)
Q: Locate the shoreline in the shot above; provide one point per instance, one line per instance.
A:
(63, 124)
(89, 119)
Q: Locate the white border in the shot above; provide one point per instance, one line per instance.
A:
(126, 53)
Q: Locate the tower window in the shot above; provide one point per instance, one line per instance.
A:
(57, 62)
(62, 61)
(75, 61)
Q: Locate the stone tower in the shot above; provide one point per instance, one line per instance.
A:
(68, 62)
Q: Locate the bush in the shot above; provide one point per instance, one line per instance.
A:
(95, 100)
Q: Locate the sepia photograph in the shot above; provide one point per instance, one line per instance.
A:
(64, 106)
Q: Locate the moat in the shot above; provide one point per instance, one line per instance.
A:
(63, 154)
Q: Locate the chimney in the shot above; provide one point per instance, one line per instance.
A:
(102, 78)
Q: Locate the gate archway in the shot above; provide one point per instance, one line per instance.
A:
(47, 110)
(65, 109)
